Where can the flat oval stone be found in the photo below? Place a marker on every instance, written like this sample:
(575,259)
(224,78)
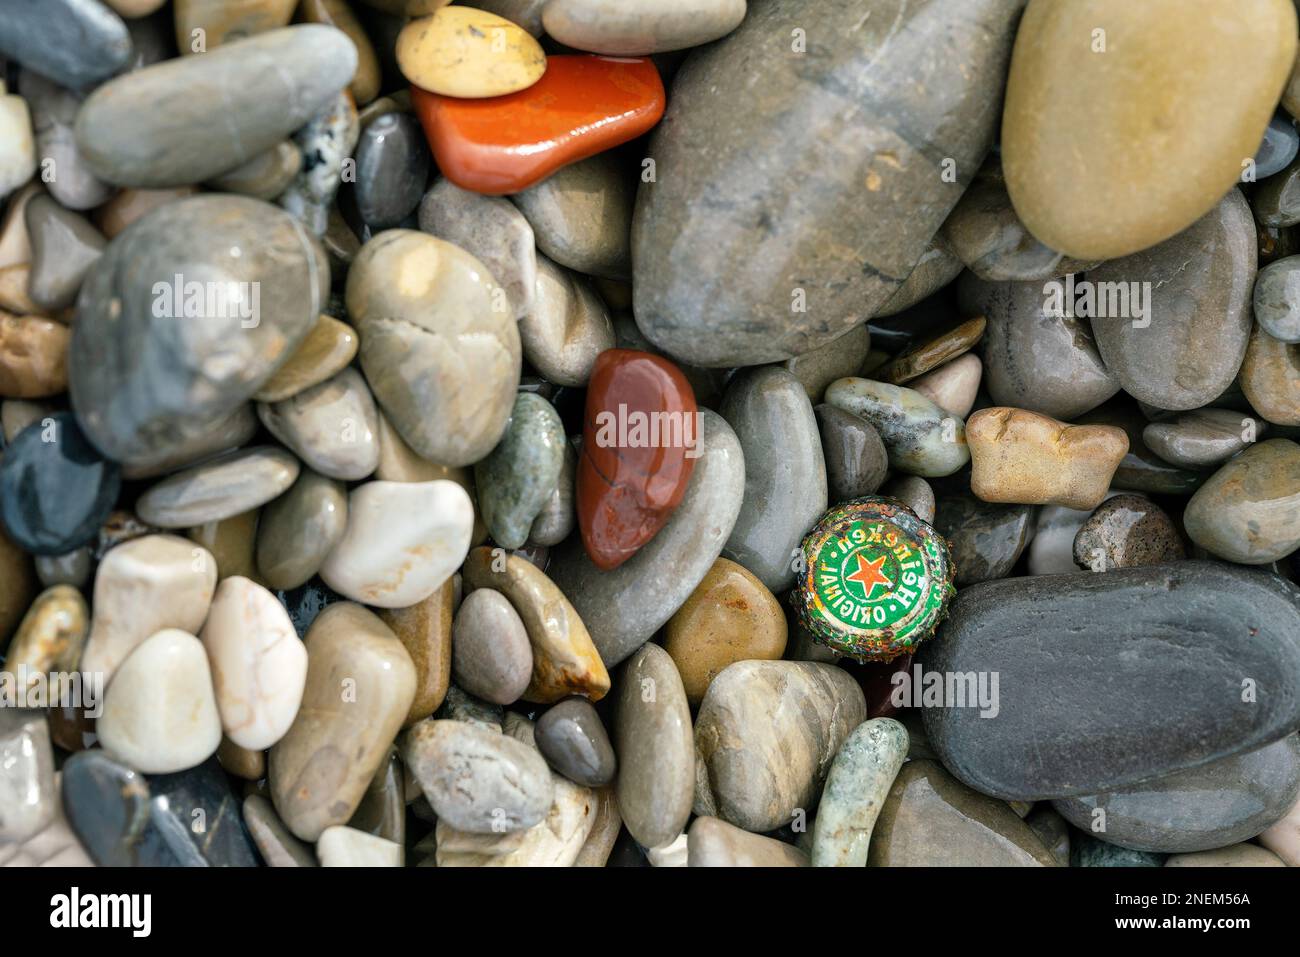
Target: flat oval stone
(52,633)
(840,223)
(54,111)
(731,616)
(620,29)
(154,127)
(573,740)
(519,475)
(1126,531)
(333,427)
(144,586)
(466,52)
(219,488)
(767,732)
(989,238)
(986,540)
(856,460)
(1249,510)
(785,472)
(641,438)
(1204,437)
(1073,188)
(930,819)
(1033,358)
(656,754)
(327,351)
(160,715)
(1141,470)
(1199,809)
(491,656)
(143,382)
(56,490)
(1277,299)
(564,658)
(259,667)
(582,216)
(933,352)
(857,785)
(424,629)
(1106,668)
(392,169)
(581,106)
(33,357)
(478,780)
(1270,378)
(402,541)
(1031,459)
(920,437)
(493,231)
(440,352)
(320,769)
(568,327)
(649,587)
(76,43)
(299,529)
(1182,349)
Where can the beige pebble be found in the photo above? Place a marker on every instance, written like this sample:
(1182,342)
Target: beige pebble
(463,52)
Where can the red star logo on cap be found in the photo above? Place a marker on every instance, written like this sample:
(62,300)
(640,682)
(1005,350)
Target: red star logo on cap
(869,575)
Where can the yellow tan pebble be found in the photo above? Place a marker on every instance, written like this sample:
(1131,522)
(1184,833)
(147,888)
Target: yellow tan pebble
(464,52)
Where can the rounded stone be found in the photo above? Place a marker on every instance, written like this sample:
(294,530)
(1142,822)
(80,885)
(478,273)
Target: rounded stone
(620,29)
(1277,299)
(856,460)
(517,477)
(567,328)
(299,529)
(1249,510)
(160,715)
(921,438)
(1126,531)
(573,740)
(582,216)
(333,427)
(1204,437)
(266,175)
(392,168)
(56,490)
(857,785)
(327,350)
(731,616)
(424,629)
(402,541)
(147,373)
(441,356)
(220,488)
(985,539)
(52,633)
(464,52)
(491,655)
(1084,174)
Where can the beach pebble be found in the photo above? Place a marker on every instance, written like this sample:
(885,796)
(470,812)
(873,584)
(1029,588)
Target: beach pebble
(491,655)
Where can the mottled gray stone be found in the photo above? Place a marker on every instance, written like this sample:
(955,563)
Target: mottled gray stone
(517,478)
(76,43)
(1196,289)
(1088,851)
(1107,680)
(490,229)
(478,780)
(1126,531)
(1211,806)
(189,119)
(573,740)
(731,239)
(558,516)
(1277,299)
(856,460)
(144,385)
(1033,360)
(921,438)
(649,587)
(54,112)
(656,754)
(856,787)
(767,732)
(785,472)
(327,141)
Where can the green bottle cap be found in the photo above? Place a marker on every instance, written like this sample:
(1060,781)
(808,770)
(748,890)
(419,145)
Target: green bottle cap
(877,580)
